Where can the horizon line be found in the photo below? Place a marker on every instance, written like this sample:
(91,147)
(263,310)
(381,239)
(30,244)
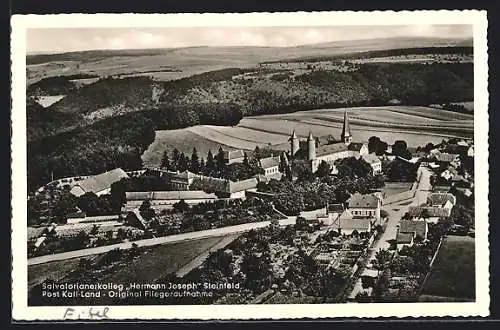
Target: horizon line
(48,52)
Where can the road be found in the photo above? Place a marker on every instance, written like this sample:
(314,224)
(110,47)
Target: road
(158,240)
(396,211)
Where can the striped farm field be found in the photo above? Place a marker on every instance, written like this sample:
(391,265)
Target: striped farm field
(416,125)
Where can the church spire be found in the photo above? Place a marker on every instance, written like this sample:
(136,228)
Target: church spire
(346,136)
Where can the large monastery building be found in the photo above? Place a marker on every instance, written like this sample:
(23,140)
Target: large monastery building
(325,148)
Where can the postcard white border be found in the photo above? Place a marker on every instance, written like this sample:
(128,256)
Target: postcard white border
(478,19)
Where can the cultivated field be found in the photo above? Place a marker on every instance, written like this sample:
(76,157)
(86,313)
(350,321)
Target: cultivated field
(170,64)
(162,260)
(55,270)
(416,125)
(453,272)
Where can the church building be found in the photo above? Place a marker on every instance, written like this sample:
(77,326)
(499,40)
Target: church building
(327,149)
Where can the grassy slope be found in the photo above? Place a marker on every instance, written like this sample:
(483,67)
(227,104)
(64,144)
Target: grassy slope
(453,272)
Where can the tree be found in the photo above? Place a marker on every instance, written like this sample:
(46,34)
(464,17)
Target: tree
(400,148)
(220,161)
(146,211)
(181,206)
(245,160)
(195,162)
(95,230)
(382,258)
(165,161)
(324,169)
(183,163)
(210,164)
(175,159)
(256,153)
(373,144)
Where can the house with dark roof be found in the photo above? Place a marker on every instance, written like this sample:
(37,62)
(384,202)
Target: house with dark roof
(413,228)
(234,156)
(365,205)
(98,184)
(404,239)
(443,200)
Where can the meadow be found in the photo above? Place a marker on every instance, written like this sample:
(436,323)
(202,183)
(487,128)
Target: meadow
(453,272)
(416,125)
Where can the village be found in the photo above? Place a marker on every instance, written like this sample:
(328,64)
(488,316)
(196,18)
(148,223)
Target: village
(354,208)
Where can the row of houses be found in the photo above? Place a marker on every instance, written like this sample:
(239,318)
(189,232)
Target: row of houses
(438,205)
(360,214)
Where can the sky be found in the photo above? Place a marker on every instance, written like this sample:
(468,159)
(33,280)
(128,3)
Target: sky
(75,39)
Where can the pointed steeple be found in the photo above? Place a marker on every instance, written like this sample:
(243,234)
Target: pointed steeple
(294,135)
(310,137)
(346,136)
(294,143)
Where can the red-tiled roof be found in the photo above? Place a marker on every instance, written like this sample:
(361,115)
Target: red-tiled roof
(269,162)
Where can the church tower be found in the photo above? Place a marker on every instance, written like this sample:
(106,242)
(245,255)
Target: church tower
(294,143)
(311,147)
(346,136)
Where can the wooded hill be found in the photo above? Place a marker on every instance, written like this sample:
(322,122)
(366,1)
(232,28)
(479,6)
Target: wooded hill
(63,138)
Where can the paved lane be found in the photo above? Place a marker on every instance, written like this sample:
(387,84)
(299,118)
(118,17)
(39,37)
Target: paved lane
(157,241)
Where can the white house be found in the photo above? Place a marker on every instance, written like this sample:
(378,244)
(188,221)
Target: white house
(270,165)
(365,205)
(236,156)
(347,223)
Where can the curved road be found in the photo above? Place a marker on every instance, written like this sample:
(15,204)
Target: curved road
(396,211)
(157,241)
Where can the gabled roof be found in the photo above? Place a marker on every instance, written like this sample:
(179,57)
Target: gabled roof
(416,211)
(234,154)
(371,159)
(363,201)
(183,176)
(355,146)
(330,149)
(335,208)
(418,227)
(440,199)
(101,181)
(356,223)
(242,185)
(404,238)
(269,162)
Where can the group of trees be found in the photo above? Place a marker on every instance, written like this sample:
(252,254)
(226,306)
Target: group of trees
(214,165)
(355,175)
(220,213)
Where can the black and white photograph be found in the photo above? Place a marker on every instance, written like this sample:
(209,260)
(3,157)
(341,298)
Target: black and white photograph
(329,163)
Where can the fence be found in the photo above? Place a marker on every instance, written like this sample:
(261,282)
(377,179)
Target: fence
(430,267)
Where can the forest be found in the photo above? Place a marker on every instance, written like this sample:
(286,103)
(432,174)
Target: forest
(64,142)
